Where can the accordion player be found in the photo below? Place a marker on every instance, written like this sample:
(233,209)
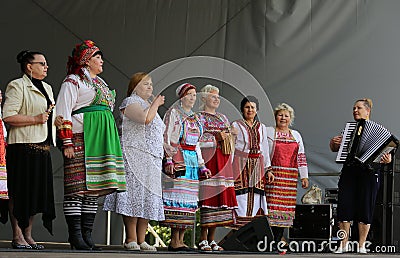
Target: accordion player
(364,142)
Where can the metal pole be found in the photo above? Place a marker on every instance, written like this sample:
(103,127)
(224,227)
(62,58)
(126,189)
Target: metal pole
(108,236)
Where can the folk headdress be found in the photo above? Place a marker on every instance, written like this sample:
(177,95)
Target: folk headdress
(183,89)
(80,55)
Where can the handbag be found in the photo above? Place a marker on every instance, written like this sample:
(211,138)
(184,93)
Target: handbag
(312,196)
(228,144)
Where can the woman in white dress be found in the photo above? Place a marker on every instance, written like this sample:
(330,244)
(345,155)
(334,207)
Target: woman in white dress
(142,145)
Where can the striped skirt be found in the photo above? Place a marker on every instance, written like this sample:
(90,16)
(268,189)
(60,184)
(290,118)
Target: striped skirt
(79,179)
(281,197)
(180,195)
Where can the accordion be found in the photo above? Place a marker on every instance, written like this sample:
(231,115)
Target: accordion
(364,142)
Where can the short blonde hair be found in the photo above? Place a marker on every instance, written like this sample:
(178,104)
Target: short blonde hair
(285,107)
(206,89)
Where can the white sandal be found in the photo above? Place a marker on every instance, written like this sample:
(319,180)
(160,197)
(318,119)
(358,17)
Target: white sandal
(147,248)
(203,245)
(215,246)
(132,246)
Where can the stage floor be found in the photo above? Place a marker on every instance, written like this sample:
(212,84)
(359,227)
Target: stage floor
(61,250)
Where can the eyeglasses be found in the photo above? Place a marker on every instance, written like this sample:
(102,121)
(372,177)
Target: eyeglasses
(41,63)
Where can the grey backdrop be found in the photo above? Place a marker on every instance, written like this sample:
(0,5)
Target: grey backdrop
(317,55)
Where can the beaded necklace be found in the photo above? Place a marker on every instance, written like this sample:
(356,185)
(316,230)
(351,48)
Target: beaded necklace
(104,96)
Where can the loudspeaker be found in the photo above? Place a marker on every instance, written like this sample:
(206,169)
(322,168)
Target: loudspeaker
(396,189)
(249,236)
(312,222)
(395,234)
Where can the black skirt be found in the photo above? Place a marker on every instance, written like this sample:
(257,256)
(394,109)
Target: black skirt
(30,182)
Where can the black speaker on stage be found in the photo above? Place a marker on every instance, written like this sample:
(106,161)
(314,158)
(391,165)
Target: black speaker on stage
(395,234)
(387,208)
(312,222)
(248,237)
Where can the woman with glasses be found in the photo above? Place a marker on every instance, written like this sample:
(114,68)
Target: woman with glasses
(93,163)
(28,111)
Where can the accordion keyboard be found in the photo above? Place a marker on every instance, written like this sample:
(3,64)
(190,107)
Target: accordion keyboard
(346,142)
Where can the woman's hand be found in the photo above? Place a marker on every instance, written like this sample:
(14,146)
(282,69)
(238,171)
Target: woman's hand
(158,100)
(59,121)
(270,177)
(335,142)
(69,152)
(205,173)
(41,118)
(386,158)
(169,150)
(169,169)
(304,183)
(234,131)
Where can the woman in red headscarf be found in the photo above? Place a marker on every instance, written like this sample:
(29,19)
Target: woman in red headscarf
(93,163)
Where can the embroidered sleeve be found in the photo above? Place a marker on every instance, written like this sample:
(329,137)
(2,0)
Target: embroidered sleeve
(64,133)
(71,80)
(301,158)
(67,97)
(264,147)
(66,100)
(171,133)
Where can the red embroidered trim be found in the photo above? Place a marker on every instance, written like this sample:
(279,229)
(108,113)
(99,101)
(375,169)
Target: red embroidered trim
(74,82)
(301,160)
(64,132)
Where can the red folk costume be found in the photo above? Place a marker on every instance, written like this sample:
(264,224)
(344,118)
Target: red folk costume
(217,194)
(3,175)
(288,160)
(250,165)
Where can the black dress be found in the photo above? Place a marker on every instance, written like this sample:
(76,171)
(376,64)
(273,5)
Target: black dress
(30,176)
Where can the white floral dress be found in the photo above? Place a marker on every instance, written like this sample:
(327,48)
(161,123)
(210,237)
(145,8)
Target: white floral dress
(142,147)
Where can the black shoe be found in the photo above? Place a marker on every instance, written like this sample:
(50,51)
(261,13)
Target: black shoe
(75,234)
(15,245)
(87,221)
(178,249)
(37,246)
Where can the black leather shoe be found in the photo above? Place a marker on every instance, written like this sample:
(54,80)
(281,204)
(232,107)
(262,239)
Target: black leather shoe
(15,245)
(178,249)
(37,246)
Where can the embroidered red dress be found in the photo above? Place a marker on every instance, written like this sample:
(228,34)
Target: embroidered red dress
(3,176)
(217,197)
(288,160)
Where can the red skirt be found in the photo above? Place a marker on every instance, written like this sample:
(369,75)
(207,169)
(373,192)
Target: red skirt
(218,191)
